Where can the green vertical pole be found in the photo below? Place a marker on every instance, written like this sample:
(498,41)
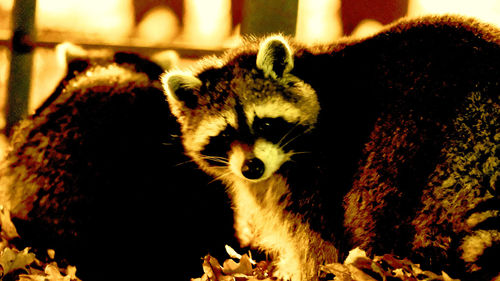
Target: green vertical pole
(22,45)
(261,17)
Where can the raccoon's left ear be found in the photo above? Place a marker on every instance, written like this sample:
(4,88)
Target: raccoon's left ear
(275,57)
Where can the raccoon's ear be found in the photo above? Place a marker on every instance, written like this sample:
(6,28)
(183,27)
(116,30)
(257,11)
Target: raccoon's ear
(182,90)
(275,57)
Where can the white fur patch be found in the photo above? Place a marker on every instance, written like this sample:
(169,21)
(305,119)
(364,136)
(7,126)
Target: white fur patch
(268,152)
(237,157)
(274,109)
(261,221)
(272,156)
(210,127)
(304,111)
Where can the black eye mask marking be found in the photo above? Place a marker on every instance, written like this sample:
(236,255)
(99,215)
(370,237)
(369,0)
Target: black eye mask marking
(276,130)
(216,151)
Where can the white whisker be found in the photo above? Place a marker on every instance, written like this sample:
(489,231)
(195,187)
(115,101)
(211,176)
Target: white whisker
(286,135)
(300,152)
(290,140)
(217,159)
(221,176)
(184,163)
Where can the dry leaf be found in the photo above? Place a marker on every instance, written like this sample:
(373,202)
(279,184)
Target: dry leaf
(213,270)
(232,253)
(243,270)
(230,267)
(357,267)
(358,275)
(340,271)
(354,255)
(32,277)
(12,259)
(51,273)
(446,277)
(51,253)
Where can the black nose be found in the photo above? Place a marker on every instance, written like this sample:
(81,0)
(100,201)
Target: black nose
(253,168)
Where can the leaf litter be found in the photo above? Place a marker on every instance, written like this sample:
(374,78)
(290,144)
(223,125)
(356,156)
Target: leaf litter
(23,265)
(356,267)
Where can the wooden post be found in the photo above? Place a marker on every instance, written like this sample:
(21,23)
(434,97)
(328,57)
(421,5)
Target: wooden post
(261,17)
(22,45)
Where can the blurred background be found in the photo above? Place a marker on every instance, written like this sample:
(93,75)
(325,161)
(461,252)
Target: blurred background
(193,28)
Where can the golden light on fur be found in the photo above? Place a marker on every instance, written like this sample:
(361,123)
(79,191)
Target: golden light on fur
(260,221)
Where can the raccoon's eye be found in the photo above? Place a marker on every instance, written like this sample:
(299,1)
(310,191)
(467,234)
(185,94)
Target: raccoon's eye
(227,133)
(218,147)
(263,126)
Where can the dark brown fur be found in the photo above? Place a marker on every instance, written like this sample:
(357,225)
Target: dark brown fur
(98,174)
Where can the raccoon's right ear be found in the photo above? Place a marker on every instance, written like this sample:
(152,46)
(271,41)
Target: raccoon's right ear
(182,90)
(275,57)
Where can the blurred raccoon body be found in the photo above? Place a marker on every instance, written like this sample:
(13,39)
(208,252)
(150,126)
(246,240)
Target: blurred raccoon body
(387,143)
(97,172)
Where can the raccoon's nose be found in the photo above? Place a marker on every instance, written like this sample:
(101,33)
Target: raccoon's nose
(253,168)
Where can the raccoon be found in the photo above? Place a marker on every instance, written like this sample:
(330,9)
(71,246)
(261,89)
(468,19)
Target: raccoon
(97,171)
(387,143)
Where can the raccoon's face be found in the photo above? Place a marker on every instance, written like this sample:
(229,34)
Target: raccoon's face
(242,118)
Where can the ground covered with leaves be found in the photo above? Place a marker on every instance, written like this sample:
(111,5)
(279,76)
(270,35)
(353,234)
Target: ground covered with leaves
(356,267)
(23,265)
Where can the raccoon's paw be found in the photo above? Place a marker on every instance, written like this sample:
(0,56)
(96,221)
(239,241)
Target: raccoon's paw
(285,272)
(283,275)
(289,268)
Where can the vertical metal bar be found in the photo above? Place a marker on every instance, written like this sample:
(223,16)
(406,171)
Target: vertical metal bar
(22,46)
(262,17)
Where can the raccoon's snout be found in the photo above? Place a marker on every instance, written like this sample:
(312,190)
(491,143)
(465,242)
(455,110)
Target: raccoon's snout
(253,168)
(256,162)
